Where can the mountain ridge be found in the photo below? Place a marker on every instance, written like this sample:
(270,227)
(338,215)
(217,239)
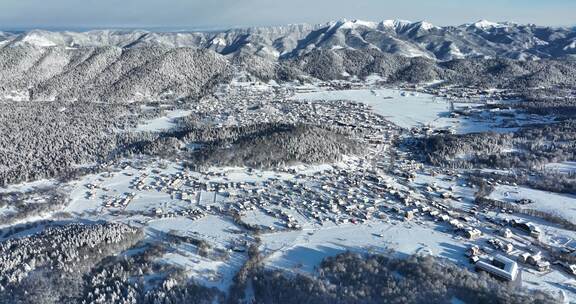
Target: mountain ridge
(132,66)
(411,39)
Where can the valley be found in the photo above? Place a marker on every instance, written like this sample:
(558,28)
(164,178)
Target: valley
(137,166)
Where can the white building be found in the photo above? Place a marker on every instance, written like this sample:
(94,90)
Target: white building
(500,267)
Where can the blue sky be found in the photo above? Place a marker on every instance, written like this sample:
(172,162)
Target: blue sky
(207,14)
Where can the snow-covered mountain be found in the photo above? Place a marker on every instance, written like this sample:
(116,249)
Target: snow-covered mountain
(106,73)
(410,39)
(140,65)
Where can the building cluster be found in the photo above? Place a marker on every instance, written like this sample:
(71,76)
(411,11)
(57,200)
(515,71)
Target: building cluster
(369,188)
(343,196)
(245,105)
(468,94)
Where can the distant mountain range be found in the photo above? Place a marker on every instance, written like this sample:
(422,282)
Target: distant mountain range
(410,39)
(120,66)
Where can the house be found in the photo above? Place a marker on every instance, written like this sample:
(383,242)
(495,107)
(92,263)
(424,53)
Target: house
(542,266)
(473,251)
(523,258)
(409,215)
(528,227)
(507,233)
(534,259)
(499,267)
(472,233)
(444,218)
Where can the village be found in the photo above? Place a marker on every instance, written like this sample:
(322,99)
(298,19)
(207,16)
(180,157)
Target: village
(354,203)
(354,193)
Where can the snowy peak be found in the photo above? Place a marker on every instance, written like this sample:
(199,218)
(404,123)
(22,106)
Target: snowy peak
(424,25)
(353,24)
(485,24)
(395,23)
(345,24)
(407,27)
